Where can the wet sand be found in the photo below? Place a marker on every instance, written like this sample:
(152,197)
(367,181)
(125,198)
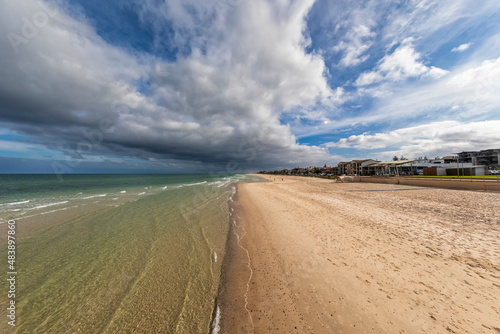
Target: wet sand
(326,257)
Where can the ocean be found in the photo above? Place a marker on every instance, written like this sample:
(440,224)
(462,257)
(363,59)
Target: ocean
(117,253)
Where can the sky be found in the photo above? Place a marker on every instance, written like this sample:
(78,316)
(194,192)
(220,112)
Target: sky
(231,86)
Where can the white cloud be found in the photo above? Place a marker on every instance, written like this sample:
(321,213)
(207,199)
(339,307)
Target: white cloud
(368,78)
(6,145)
(467,93)
(356,44)
(436,138)
(403,63)
(423,19)
(461,48)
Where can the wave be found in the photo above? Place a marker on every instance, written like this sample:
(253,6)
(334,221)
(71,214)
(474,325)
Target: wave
(15,203)
(46,205)
(94,196)
(192,184)
(219,183)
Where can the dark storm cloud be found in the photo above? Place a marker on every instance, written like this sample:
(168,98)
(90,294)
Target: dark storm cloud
(217,107)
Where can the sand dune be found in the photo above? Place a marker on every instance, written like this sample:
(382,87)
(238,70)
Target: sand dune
(363,258)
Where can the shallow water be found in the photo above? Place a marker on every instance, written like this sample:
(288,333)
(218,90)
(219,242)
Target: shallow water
(150,263)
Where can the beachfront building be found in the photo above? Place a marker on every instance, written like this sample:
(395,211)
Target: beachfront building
(343,167)
(490,157)
(355,166)
(450,159)
(457,170)
(368,167)
(396,167)
(430,168)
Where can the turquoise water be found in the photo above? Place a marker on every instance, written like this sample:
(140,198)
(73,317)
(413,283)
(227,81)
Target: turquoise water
(142,253)
(25,195)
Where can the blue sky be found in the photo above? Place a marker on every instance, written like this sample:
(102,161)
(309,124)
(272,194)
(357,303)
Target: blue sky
(234,86)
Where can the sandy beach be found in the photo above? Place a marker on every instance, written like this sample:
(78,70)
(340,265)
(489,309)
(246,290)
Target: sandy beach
(314,256)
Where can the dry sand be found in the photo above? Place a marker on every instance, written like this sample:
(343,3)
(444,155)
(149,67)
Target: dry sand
(326,257)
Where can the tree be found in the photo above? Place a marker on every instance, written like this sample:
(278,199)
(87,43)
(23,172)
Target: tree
(395,158)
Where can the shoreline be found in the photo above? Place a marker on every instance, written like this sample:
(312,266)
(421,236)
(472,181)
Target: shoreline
(408,261)
(235,275)
(215,323)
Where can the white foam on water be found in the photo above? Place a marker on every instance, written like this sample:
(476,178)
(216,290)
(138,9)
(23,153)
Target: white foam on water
(123,192)
(15,203)
(192,184)
(94,196)
(142,193)
(46,205)
(164,188)
(216,324)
